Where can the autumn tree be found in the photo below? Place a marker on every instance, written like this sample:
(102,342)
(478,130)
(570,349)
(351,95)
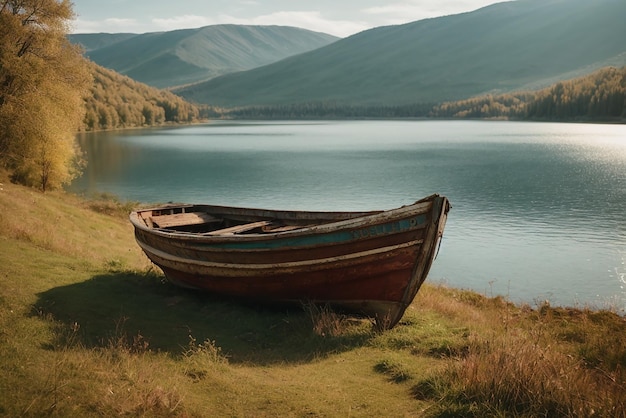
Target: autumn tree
(43,82)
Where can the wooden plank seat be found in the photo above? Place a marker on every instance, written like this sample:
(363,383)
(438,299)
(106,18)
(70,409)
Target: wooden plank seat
(283,228)
(183,219)
(239,228)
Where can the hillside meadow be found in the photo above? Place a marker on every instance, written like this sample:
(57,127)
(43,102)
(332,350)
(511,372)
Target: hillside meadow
(89,328)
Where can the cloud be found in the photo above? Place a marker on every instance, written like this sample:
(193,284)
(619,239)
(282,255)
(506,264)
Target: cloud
(311,20)
(412,10)
(308,20)
(110,25)
(182,22)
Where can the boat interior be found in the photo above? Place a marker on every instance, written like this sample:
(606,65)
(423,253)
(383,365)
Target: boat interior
(182,220)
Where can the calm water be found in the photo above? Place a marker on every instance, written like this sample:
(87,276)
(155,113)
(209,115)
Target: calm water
(539,210)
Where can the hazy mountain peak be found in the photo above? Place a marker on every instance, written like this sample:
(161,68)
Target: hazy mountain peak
(166,59)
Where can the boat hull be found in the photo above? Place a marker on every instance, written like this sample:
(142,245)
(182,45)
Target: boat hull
(370,263)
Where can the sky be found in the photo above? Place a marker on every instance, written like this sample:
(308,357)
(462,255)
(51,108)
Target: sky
(336,17)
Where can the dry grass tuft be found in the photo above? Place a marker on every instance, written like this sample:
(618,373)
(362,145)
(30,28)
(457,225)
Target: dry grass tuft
(326,322)
(200,360)
(535,369)
(111,205)
(121,341)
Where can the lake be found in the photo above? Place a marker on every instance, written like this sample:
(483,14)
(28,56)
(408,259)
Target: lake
(538,209)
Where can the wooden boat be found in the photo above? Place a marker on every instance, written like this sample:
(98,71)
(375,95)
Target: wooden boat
(365,263)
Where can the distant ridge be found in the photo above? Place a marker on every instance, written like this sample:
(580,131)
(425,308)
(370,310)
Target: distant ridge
(180,57)
(94,41)
(495,49)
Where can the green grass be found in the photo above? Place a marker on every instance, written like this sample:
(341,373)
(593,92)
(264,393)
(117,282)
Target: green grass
(89,328)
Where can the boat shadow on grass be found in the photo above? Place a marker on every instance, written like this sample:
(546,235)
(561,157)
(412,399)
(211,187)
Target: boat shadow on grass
(141,311)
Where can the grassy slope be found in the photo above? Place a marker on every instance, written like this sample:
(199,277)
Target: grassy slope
(88,329)
(498,48)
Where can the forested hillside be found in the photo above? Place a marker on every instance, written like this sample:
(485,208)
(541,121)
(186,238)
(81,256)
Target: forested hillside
(119,102)
(600,96)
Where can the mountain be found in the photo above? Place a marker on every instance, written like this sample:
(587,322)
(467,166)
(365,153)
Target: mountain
(499,48)
(166,59)
(94,41)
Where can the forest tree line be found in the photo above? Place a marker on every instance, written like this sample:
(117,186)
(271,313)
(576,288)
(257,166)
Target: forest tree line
(600,96)
(326,110)
(118,102)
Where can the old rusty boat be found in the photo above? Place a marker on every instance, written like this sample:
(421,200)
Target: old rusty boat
(365,263)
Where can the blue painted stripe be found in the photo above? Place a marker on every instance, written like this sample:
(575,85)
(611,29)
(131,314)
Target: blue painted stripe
(338,237)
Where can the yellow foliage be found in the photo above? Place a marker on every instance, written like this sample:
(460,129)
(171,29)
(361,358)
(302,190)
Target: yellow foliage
(118,102)
(601,95)
(43,80)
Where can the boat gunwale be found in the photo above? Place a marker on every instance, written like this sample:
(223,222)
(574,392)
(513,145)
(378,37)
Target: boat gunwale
(422,206)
